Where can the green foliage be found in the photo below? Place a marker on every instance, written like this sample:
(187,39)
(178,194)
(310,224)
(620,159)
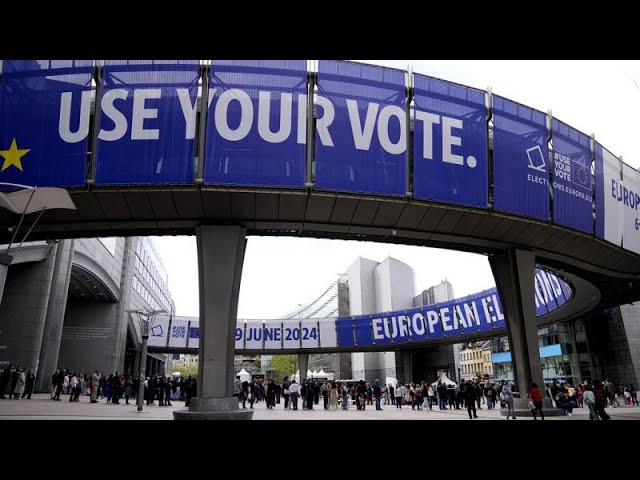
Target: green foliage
(186,370)
(283,366)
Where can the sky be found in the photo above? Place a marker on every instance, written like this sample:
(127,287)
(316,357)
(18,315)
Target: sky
(281,273)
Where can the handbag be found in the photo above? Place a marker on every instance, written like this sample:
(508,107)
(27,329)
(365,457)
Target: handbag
(530,404)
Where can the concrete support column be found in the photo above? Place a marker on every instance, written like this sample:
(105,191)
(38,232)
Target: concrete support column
(23,312)
(122,317)
(405,370)
(303,365)
(220,258)
(514,272)
(5,261)
(136,364)
(56,308)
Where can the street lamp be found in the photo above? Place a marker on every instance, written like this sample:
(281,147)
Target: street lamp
(24,202)
(145,320)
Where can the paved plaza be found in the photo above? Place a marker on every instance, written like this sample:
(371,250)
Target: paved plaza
(41,407)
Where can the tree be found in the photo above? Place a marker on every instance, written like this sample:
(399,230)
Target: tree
(283,366)
(186,370)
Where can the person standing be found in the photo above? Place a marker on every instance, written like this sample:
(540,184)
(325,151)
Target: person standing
(600,399)
(470,397)
(285,391)
(95,382)
(589,400)
(237,389)
(29,383)
(22,380)
(5,378)
(507,398)
(536,399)
(377,393)
(294,390)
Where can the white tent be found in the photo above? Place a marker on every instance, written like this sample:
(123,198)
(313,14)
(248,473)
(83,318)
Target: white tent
(321,374)
(444,379)
(244,375)
(295,376)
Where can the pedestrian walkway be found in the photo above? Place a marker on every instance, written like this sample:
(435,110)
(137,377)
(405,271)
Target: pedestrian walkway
(41,407)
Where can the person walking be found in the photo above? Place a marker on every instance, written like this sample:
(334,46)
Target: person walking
(536,401)
(507,398)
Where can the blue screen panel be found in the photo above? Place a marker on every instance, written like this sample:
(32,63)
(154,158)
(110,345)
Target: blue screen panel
(451,143)
(360,129)
(520,159)
(256,123)
(572,183)
(44,122)
(147,122)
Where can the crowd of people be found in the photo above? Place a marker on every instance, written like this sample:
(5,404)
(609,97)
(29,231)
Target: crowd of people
(18,383)
(469,395)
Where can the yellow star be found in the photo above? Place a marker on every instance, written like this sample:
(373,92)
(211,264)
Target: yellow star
(12,156)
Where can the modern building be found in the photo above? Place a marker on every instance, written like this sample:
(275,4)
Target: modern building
(67,304)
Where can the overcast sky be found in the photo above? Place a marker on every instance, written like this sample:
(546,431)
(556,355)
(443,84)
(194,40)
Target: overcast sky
(601,97)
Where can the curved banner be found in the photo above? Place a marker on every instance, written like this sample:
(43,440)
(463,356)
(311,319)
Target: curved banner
(629,194)
(194,335)
(572,183)
(147,122)
(610,197)
(480,312)
(159,331)
(361,128)
(257,123)
(520,159)
(178,334)
(451,143)
(44,122)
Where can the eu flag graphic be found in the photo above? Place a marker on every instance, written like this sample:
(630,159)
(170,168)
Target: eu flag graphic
(582,175)
(44,121)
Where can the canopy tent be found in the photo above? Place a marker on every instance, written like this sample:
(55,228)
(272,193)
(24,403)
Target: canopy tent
(244,375)
(444,379)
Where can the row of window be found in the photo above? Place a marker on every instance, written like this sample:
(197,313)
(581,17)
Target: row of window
(474,355)
(152,276)
(146,295)
(148,258)
(473,368)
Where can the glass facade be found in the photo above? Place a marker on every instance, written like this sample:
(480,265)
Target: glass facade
(564,354)
(151,277)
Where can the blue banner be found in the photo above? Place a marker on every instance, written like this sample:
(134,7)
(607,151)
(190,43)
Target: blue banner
(451,143)
(572,184)
(362,327)
(147,122)
(610,197)
(257,123)
(344,326)
(480,312)
(520,159)
(360,129)
(44,122)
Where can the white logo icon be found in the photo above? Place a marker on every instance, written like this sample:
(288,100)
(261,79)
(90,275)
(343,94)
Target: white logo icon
(536,159)
(156,331)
